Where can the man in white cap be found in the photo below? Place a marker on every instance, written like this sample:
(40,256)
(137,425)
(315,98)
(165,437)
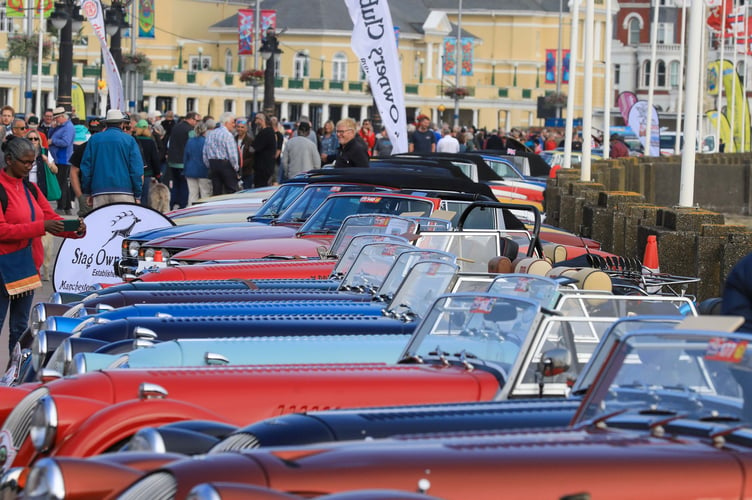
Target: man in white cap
(60,141)
(112,168)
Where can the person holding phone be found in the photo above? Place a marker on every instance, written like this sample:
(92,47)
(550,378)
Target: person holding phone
(25,217)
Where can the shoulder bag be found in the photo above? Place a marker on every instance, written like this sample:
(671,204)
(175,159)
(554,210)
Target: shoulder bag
(53,186)
(17,268)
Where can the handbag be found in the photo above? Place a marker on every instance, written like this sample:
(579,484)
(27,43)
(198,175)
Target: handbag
(53,186)
(19,272)
(17,268)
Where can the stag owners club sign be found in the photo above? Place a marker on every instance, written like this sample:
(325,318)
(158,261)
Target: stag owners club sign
(92,259)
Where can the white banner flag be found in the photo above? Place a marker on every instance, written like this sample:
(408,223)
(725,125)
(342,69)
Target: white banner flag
(375,44)
(93,11)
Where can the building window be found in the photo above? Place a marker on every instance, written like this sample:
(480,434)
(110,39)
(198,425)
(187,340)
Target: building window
(301,66)
(163,103)
(661,74)
(339,67)
(6,23)
(634,31)
(646,73)
(665,33)
(243,62)
(617,74)
(190,104)
(673,72)
(193,63)
(229,104)
(228,61)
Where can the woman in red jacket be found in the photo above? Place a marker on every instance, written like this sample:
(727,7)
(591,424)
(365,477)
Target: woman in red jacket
(23,221)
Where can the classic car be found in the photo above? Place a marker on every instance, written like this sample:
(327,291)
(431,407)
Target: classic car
(370,423)
(318,231)
(668,410)
(470,345)
(338,180)
(428,278)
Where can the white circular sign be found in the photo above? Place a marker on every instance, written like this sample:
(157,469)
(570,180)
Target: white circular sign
(89,260)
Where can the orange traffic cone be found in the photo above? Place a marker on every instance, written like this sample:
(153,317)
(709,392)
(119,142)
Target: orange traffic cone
(650,264)
(650,261)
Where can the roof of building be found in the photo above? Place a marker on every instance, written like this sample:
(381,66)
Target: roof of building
(409,15)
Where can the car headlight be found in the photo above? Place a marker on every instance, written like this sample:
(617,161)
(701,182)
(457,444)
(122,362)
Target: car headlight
(148,440)
(203,492)
(147,254)
(10,483)
(131,248)
(37,316)
(39,350)
(43,424)
(45,481)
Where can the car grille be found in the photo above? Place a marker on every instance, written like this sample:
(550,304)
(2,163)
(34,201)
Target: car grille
(157,486)
(18,422)
(234,442)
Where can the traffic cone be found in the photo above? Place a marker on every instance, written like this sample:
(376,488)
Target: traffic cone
(650,264)
(650,261)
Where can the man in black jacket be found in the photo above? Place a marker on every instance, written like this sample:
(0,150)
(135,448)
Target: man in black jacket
(353,149)
(175,149)
(264,151)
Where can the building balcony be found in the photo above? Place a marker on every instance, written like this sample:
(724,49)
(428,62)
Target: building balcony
(336,85)
(527,93)
(190,77)
(295,83)
(45,69)
(94,71)
(4,65)
(316,84)
(164,75)
(355,86)
(229,78)
(279,82)
(411,89)
(503,93)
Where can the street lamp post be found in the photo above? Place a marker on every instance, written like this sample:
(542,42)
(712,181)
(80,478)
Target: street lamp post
(180,54)
(270,52)
(66,18)
(114,22)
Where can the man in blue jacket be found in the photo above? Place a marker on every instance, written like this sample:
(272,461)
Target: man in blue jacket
(60,140)
(737,293)
(112,168)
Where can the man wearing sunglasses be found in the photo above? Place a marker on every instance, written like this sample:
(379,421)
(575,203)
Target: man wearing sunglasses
(19,127)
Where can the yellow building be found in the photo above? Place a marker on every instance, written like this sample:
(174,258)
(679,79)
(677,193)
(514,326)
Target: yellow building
(195,62)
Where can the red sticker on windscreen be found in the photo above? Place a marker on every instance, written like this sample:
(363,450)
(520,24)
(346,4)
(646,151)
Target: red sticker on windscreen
(730,351)
(381,221)
(370,199)
(482,305)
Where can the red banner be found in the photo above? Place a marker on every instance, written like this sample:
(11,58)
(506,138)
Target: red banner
(246,25)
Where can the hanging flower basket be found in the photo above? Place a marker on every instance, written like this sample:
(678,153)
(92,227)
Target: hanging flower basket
(252,77)
(554,99)
(456,92)
(137,62)
(27,46)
